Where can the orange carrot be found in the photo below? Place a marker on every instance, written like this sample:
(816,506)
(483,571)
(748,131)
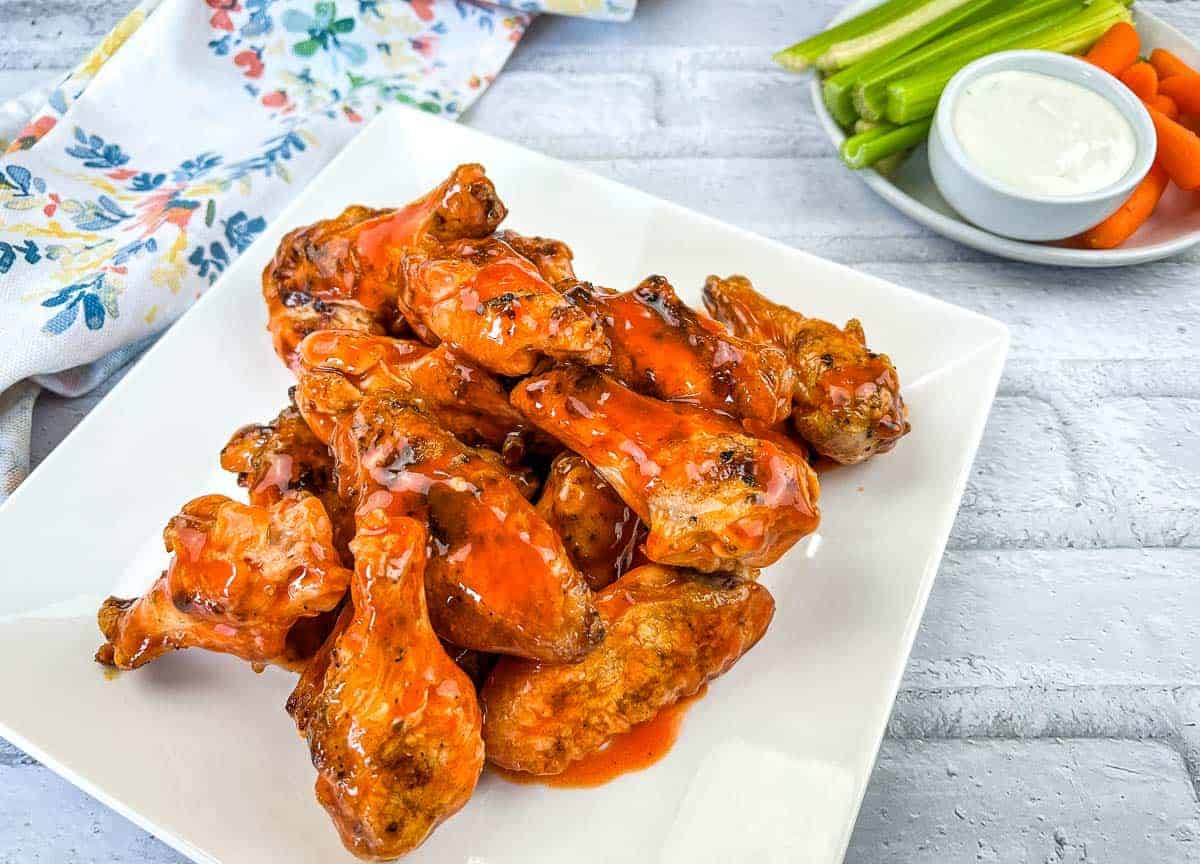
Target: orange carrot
(1117,49)
(1178,151)
(1190,121)
(1141,79)
(1165,104)
(1168,64)
(1185,90)
(1119,227)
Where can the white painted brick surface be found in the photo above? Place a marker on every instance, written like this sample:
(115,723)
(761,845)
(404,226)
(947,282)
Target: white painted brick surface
(1058,802)
(1051,708)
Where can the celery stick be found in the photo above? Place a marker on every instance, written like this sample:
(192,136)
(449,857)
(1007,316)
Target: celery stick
(863,151)
(870,90)
(861,125)
(803,54)
(889,165)
(837,90)
(850,51)
(916,96)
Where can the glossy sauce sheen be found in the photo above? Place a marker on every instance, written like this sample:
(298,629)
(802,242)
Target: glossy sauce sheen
(1043,135)
(635,750)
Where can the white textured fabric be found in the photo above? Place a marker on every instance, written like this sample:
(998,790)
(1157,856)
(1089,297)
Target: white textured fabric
(128,188)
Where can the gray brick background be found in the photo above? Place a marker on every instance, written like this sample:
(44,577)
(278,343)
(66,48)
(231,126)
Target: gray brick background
(1051,709)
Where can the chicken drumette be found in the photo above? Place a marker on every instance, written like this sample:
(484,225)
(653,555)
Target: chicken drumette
(669,631)
(392,723)
(283,455)
(499,579)
(493,305)
(599,530)
(846,402)
(713,497)
(241,578)
(343,272)
(663,348)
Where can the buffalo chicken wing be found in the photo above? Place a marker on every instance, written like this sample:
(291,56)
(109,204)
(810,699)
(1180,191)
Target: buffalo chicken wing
(493,305)
(669,631)
(663,348)
(392,723)
(283,455)
(342,273)
(499,579)
(846,402)
(713,497)
(599,530)
(241,577)
(337,367)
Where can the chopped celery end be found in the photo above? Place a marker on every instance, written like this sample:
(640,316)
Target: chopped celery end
(803,54)
(869,148)
(850,51)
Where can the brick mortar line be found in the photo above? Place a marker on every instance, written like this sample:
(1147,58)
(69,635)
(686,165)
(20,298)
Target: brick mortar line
(1169,714)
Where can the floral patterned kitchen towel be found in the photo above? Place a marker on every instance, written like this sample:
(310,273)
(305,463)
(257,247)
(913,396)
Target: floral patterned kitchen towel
(166,152)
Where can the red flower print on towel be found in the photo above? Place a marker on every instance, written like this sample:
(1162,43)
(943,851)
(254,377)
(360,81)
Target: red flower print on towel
(424,45)
(249,59)
(423,8)
(220,19)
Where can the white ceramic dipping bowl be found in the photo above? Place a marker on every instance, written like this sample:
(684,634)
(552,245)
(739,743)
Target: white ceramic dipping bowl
(1011,212)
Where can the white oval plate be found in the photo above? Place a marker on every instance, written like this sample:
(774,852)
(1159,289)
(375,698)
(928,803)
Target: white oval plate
(1174,227)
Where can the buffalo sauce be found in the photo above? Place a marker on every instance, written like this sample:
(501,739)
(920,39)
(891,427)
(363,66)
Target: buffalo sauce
(635,750)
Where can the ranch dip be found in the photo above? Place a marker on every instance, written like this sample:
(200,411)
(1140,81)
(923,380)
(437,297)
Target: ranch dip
(1043,135)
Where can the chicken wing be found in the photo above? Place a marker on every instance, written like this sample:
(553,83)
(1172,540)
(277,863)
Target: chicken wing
(336,367)
(714,497)
(241,577)
(551,257)
(669,631)
(343,272)
(663,348)
(492,304)
(599,530)
(392,723)
(273,458)
(498,578)
(846,403)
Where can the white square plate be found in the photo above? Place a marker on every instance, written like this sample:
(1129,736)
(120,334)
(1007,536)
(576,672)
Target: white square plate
(772,764)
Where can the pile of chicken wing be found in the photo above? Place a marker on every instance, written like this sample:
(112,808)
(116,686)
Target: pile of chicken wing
(507,514)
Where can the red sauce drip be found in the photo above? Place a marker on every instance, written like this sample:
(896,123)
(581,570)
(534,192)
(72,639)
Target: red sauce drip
(635,750)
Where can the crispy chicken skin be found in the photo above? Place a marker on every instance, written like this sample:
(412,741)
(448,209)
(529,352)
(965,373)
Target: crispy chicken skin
(599,530)
(392,723)
(669,631)
(663,348)
(336,367)
(491,304)
(551,257)
(240,577)
(273,458)
(342,272)
(499,579)
(847,403)
(714,497)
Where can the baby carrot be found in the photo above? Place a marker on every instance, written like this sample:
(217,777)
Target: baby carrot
(1185,90)
(1164,103)
(1190,121)
(1141,79)
(1178,151)
(1119,227)
(1116,50)
(1168,64)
